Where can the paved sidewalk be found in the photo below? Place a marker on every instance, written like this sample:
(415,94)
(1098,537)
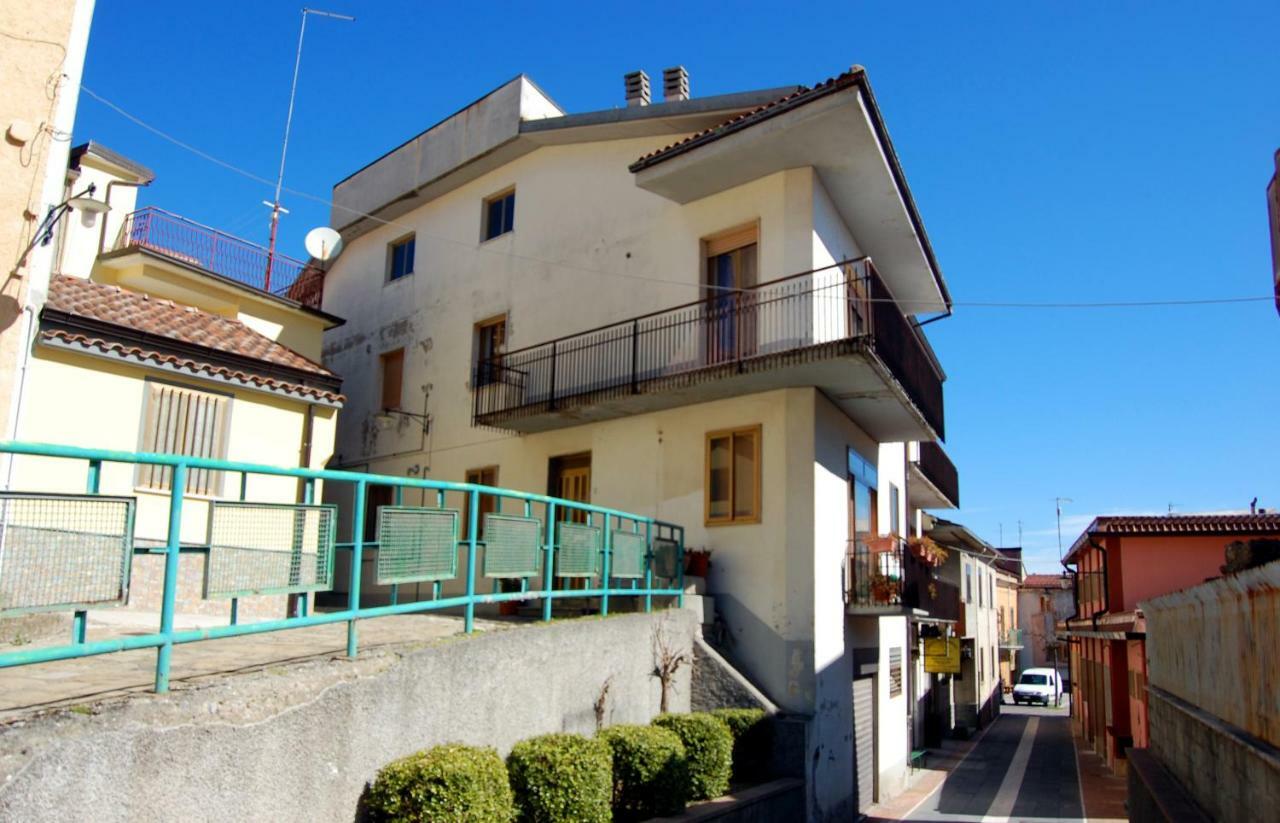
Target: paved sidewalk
(1023,767)
(25,690)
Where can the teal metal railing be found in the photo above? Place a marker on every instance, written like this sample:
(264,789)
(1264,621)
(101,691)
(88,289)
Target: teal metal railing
(650,553)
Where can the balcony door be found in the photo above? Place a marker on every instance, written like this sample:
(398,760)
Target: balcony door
(731,269)
(569,478)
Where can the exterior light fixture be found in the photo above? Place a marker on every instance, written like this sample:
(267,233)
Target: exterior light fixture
(44,232)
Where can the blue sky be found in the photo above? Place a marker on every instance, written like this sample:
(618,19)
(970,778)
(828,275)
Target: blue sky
(1058,152)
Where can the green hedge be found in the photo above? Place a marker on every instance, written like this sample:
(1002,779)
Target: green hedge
(562,778)
(650,776)
(452,782)
(752,741)
(708,748)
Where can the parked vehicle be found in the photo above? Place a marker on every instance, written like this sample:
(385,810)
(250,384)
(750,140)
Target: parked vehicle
(1038,686)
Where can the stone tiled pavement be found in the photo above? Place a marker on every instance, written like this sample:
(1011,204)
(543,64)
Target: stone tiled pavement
(1024,767)
(69,683)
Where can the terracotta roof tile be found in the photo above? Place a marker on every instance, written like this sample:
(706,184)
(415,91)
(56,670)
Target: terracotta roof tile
(1227,525)
(185,324)
(1046,581)
(138,313)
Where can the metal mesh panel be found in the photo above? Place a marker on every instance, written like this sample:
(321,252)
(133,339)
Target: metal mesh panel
(63,551)
(628,554)
(269,548)
(666,558)
(416,544)
(579,553)
(512,546)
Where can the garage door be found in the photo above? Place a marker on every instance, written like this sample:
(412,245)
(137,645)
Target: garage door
(864,740)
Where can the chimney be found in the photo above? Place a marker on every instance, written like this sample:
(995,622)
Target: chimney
(675,84)
(637,88)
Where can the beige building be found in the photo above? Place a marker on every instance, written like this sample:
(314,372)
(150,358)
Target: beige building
(157,326)
(699,309)
(40,62)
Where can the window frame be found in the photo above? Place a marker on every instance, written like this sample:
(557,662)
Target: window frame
(478,332)
(488,502)
(404,240)
(733,519)
(508,217)
(383,359)
(213,485)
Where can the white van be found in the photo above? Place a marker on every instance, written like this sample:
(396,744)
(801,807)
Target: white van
(1038,686)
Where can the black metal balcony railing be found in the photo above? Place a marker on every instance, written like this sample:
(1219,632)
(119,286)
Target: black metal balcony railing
(874,572)
(840,309)
(941,472)
(223,254)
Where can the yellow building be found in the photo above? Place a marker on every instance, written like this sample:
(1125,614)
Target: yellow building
(171,341)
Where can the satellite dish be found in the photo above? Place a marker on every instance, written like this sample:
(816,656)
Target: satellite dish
(323,243)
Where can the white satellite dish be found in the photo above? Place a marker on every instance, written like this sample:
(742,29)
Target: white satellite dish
(323,243)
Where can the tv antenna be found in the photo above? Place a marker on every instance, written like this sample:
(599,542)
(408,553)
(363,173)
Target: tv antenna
(1058,501)
(276,209)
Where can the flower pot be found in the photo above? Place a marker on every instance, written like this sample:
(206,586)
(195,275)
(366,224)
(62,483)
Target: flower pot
(697,564)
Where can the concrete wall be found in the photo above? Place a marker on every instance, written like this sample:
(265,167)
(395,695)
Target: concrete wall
(1039,625)
(82,232)
(301,745)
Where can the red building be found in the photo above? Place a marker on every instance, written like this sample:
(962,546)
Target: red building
(1119,562)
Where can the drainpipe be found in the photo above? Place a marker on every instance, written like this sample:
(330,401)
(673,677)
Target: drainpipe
(308,424)
(1106,589)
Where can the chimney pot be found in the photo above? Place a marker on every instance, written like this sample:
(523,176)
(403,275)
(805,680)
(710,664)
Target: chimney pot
(675,84)
(637,83)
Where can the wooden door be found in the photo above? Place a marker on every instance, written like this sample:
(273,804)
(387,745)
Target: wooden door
(731,262)
(570,479)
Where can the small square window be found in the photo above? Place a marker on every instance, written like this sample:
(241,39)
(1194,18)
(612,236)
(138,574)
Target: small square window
(400,257)
(499,214)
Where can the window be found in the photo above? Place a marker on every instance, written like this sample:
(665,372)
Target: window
(895,671)
(491,339)
(894,525)
(392,378)
(968,583)
(981,599)
(862,482)
(187,422)
(400,257)
(499,215)
(733,476)
(487,476)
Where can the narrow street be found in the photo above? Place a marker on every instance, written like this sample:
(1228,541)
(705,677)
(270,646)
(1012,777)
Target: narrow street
(1024,768)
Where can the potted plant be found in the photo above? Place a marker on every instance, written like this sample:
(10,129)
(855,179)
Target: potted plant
(882,543)
(884,588)
(929,552)
(697,562)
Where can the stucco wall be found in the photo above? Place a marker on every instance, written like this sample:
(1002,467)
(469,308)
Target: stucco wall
(1215,645)
(300,745)
(48,43)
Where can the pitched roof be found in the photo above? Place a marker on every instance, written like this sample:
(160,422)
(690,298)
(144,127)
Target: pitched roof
(114,321)
(1046,581)
(750,118)
(1188,525)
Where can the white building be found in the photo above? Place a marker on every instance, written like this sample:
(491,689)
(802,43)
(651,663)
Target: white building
(699,309)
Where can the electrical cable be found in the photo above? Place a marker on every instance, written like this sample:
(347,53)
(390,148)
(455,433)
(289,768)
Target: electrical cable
(1094,304)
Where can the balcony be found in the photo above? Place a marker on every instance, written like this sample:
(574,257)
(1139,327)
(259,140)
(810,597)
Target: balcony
(1011,639)
(874,575)
(837,329)
(940,488)
(223,255)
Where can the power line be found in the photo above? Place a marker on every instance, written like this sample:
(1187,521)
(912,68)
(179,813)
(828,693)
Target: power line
(980,304)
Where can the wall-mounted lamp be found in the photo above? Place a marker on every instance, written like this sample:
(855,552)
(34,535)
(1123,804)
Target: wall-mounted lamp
(83,201)
(387,415)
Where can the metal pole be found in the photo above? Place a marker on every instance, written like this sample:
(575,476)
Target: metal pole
(473,517)
(174,545)
(604,575)
(80,621)
(548,570)
(357,559)
(288,124)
